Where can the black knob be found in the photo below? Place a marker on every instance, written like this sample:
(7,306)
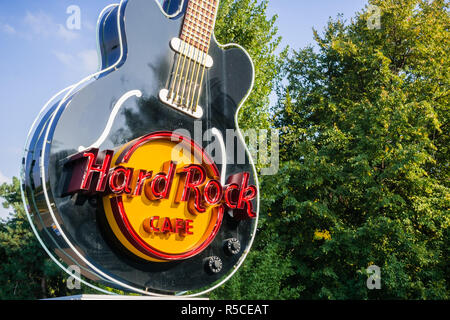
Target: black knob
(214,265)
(232,246)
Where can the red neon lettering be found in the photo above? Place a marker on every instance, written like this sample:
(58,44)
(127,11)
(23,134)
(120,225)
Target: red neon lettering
(213,192)
(228,195)
(188,226)
(241,203)
(149,225)
(163,178)
(152,225)
(92,168)
(167,226)
(195,176)
(120,180)
(247,194)
(143,176)
(179,225)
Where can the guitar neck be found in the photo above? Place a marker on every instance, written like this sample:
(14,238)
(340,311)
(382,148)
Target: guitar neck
(199,22)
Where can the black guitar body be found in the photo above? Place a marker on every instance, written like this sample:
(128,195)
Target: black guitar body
(136,56)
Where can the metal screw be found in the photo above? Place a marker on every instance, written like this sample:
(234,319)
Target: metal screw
(232,246)
(214,265)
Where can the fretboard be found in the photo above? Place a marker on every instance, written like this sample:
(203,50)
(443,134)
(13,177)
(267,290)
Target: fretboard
(198,24)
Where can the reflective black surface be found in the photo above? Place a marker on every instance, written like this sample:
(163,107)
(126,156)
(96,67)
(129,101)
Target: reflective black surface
(80,119)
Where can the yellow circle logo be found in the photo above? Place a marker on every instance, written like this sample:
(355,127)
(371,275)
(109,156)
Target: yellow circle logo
(156,209)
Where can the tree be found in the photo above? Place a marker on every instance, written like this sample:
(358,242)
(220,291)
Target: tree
(364,141)
(26,272)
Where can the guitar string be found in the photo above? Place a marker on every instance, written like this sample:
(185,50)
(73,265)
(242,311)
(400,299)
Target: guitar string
(201,80)
(180,78)
(173,83)
(193,63)
(196,67)
(196,86)
(182,47)
(184,62)
(204,59)
(173,76)
(203,72)
(188,71)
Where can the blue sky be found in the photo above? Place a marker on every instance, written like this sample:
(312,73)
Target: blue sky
(39,55)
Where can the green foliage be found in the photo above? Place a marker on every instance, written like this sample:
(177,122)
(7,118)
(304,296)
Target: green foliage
(364,122)
(25,270)
(264,275)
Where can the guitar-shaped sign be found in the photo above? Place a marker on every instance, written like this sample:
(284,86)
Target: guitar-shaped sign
(139,175)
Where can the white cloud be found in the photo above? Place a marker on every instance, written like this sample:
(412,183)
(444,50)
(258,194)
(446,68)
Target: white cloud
(89,60)
(4,178)
(67,59)
(65,34)
(88,25)
(4,213)
(42,24)
(85,61)
(8,29)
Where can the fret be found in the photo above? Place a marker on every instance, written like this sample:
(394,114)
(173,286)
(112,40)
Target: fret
(190,21)
(200,28)
(208,4)
(197,34)
(201,10)
(206,10)
(196,42)
(200,16)
(211,11)
(199,23)
(198,20)
(189,34)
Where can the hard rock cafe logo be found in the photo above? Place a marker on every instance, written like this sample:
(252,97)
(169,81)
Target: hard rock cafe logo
(162,194)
